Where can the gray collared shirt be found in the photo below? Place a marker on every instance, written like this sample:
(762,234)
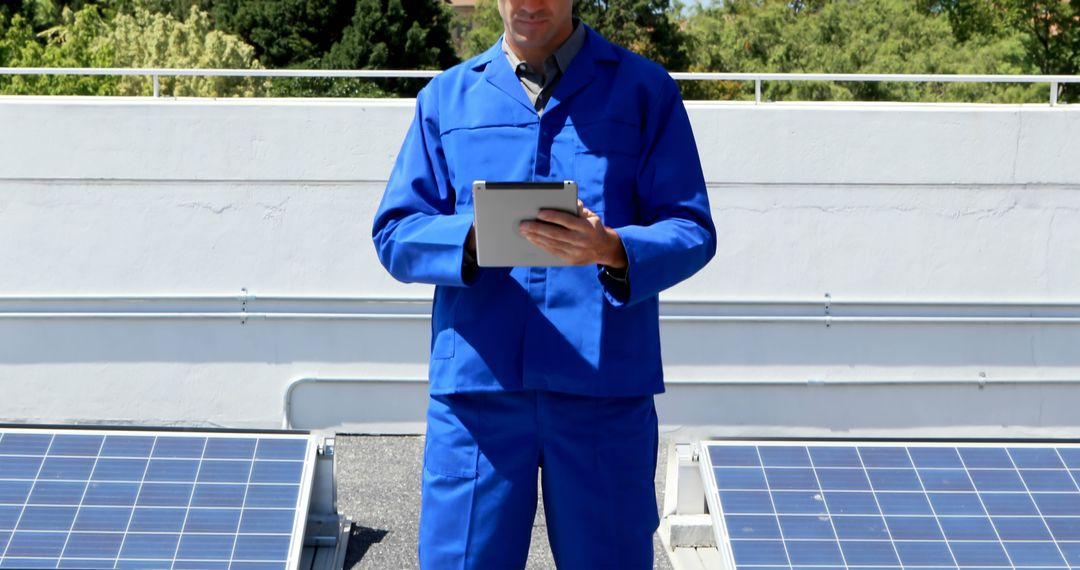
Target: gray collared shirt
(539,85)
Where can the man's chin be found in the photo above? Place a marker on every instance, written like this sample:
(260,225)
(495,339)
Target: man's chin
(529,40)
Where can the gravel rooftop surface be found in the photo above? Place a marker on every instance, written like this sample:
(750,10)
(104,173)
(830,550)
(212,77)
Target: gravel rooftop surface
(378,487)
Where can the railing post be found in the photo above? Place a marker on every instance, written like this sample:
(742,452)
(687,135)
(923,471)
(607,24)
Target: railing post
(157,86)
(1053,93)
(757,91)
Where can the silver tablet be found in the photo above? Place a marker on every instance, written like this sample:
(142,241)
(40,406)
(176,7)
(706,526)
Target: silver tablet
(500,207)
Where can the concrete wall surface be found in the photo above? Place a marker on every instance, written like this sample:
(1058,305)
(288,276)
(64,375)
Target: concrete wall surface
(883,269)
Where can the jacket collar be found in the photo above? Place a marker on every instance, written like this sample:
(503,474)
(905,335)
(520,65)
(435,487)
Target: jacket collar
(582,69)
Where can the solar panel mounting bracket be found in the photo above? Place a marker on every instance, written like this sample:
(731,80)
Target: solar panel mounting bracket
(326,533)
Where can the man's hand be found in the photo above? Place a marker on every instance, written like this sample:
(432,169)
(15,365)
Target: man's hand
(580,240)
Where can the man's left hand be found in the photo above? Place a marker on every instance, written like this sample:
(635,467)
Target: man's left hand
(579,240)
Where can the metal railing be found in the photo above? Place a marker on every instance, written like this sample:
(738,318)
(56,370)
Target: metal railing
(1055,81)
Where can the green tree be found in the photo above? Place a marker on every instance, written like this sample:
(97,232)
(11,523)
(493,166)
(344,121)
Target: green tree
(75,42)
(1051,32)
(644,26)
(139,39)
(154,39)
(44,14)
(285,33)
(968,18)
(481,28)
(392,34)
(342,34)
(395,34)
(178,9)
(883,36)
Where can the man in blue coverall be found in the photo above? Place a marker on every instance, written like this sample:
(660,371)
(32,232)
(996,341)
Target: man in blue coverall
(547,371)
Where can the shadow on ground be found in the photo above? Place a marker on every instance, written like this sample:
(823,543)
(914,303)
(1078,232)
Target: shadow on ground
(360,540)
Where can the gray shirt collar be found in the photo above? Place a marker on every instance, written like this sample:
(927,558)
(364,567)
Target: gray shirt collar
(555,64)
(563,55)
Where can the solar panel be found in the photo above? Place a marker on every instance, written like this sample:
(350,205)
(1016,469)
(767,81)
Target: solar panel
(139,499)
(888,505)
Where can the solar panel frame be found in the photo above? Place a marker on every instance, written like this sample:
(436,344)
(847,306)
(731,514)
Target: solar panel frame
(1016,548)
(68,476)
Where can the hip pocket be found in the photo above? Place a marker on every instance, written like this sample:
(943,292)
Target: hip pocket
(450,449)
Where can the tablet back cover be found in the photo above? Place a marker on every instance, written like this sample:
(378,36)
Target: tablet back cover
(500,207)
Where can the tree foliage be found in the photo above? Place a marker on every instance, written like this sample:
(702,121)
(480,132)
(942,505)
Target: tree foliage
(480,29)
(41,14)
(827,36)
(1049,29)
(342,34)
(285,33)
(137,39)
(77,42)
(1051,34)
(300,34)
(397,34)
(647,27)
(884,36)
(149,39)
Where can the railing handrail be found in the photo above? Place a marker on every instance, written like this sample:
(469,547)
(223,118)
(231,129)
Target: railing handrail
(177,72)
(156,73)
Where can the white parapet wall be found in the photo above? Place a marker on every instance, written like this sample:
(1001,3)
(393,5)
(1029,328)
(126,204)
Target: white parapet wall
(882,269)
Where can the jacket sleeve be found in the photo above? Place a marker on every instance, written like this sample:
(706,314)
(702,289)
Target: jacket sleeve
(417,234)
(675,236)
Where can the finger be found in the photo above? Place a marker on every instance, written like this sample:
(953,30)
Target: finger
(554,247)
(556,239)
(552,233)
(561,218)
(538,226)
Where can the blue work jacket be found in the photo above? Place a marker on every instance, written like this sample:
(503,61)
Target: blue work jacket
(616,125)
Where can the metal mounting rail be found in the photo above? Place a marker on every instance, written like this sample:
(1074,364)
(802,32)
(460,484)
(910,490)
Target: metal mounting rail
(1055,81)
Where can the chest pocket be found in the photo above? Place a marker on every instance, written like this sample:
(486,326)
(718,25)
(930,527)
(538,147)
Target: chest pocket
(497,152)
(606,165)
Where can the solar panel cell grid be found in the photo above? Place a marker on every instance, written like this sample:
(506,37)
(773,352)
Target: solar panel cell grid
(162,500)
(891,505)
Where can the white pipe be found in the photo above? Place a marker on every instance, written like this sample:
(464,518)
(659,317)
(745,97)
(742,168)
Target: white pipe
(808,382)
(871,302)
(331,315)
(241,316)
(419,309)
(814,302)
(205,298)
(831,320)
(741,382)
(872,381)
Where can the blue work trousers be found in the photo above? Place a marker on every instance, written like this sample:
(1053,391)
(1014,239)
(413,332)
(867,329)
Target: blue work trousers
(596,459)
